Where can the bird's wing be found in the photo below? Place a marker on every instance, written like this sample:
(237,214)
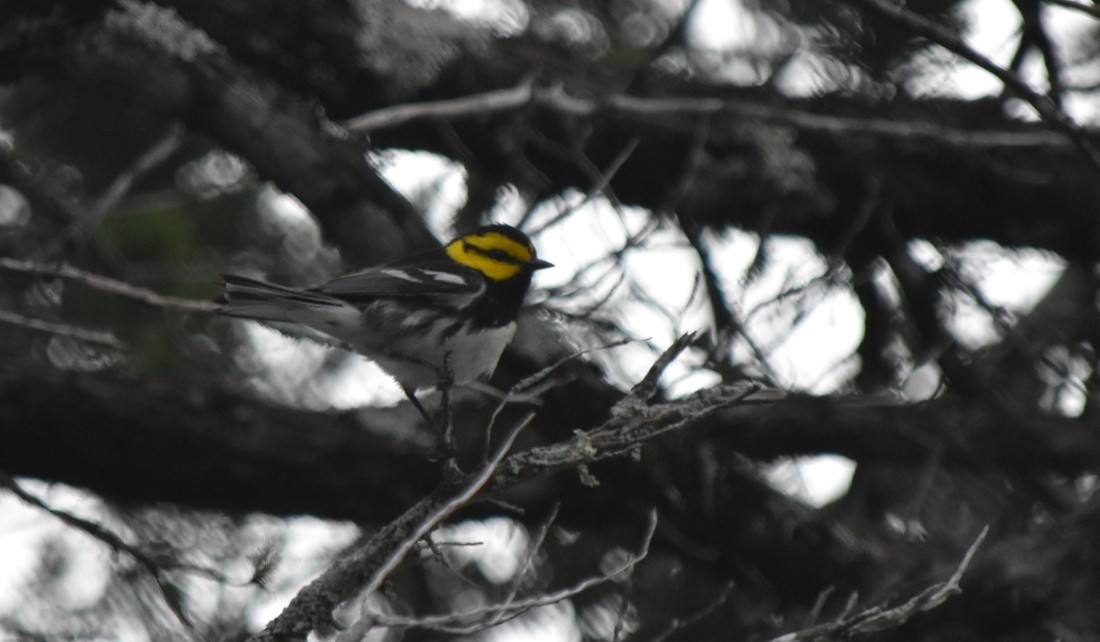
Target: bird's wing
(422,279)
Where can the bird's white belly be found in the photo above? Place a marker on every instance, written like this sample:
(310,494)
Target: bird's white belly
(476,354)
(473,354)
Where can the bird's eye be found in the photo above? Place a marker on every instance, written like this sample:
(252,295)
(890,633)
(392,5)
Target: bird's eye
(499,255)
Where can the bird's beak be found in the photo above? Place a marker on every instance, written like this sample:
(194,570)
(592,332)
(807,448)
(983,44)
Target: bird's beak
(539,264)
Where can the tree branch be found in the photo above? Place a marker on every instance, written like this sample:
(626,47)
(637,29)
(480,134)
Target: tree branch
(1046,108)
(556,99)
(366,569)
(155,567)
(96,337)
(477,619)
(1077,6)
(877,619)
(106,284)
(153,57)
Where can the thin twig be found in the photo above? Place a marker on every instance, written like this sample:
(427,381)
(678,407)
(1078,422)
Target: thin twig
(446,381)
(577,285)
(624,606)
(465,106)
(440,622)
(600,186)
(97,337)
(528,382)
(724,322)
(98,532)
(818,606)
(614,440)
(440,558)
(365,569)
(528,558)
(441,512)
(446,509)
(677,624)
(877,619)
(647,387)
(157,153)
(532,550)
(106,284)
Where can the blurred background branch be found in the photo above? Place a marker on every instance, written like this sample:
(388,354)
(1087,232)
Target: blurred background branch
(877,221)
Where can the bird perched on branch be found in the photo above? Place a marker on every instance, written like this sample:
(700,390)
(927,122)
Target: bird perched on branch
(435,318)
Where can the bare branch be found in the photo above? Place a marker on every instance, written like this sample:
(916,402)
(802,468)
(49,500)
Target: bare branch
(105,284)
(465,106)
(1044,106)
(158,152)
(155,567)
(877,619)
(1077,6)
(647,387)
(476,482)
(724,322)
(536,545)
(632,422)
(522,388)
(603,179)
(366,569)
(478,615)
(105,339)
(557,100)
(677,624)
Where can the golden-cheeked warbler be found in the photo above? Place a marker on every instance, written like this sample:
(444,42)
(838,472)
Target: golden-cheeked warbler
(440,316)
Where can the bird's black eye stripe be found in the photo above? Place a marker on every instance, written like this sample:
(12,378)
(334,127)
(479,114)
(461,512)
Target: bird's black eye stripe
(496,255)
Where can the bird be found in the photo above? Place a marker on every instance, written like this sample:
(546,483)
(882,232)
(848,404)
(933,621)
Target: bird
(436,318)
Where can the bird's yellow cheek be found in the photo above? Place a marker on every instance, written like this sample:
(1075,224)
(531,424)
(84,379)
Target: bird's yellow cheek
(491,268)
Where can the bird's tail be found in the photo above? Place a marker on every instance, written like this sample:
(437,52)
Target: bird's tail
(250,298)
